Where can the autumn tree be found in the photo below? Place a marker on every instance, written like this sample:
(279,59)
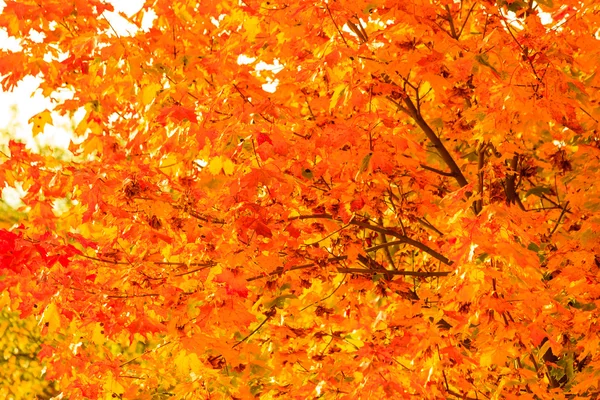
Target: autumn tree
(344,199)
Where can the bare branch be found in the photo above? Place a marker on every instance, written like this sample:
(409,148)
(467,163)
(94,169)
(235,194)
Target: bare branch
(336,27)
(451,22)
(388,272)
(562,213)
(437,143)
(386,231)
(437,171)
(269,316)
(466,19)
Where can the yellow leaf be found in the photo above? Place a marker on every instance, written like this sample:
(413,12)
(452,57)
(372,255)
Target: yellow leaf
(4,301)
(228,167)
(111,386)
(93,143)
(486,359)
(170,164)
(39,121)
(98,335)
(51,317)
(195,364)
(182,361)
(337,94)
(149,93)
(252,27)
(215,166)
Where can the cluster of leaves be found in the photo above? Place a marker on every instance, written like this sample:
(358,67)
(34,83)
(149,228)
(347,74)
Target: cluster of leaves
(412,212)
(21,375)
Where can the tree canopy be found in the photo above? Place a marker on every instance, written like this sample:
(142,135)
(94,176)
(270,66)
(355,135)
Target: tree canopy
(339,199)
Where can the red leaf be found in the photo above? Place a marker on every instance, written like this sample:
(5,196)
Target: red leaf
(357,204)
(235,284)
(263,137)
(144,326)
(293,231)
(46,351)
(83,241)
(537,335)
(177,113)
(262,229)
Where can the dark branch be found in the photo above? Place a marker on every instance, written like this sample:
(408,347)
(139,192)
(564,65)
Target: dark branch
(562,213)
(466,19)
(451,22)
(390,272)
(269,316)
(402,238)
(437,171)
(436,141)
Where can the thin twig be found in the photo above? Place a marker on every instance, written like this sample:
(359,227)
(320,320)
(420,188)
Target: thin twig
(126,296)
(254,331)
(562,213)
(427,224)
(281,270)
(143,354)
(328,296)
(466,19)
(194,270)
(356,31)
(336,27)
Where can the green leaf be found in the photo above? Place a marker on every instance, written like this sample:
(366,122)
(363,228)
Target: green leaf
(279,301)
(582,306)
(533,247)
(482,257)
(538,191)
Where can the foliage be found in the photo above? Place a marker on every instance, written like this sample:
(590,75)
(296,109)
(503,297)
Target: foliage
(413,212)
(21,375)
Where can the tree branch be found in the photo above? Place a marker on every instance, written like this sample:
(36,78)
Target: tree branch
(478,205)
(387,248)
(466,19)
(281,270)
(562,213)
(437,171)
(402,238)
(336,26)
(269,316)
(435,140)
(451,22)
(389,272)
(510,188)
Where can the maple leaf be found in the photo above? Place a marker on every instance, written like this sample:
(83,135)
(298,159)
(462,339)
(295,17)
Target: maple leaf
(177,113)
(39,122)
(262,138)
(7,248)
(144,325)
(235,284)
(46,351)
